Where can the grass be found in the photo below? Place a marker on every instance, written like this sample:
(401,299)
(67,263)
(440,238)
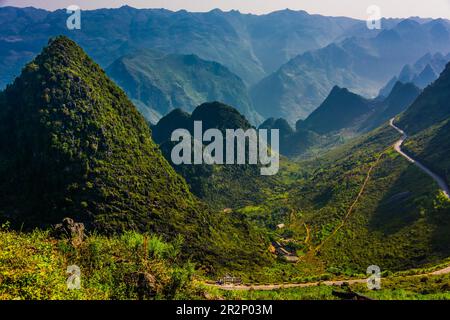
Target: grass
(410,288)
(33,267)
(319,292)
(398,288)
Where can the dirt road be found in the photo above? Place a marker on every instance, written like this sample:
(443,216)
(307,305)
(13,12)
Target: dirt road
(266,287)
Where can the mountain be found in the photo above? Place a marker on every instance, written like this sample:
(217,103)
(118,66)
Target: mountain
(250,46)
(341,109)
(281,124)
(400,98)
(66,126)
(344,110)
(421,73)
(341,116)
(299,86)
(221,186)
(427,76)
(73,145)
(362,203)
(361,64)
(175,119)
(219,116)
(402,209)
(158,83)
(293,142)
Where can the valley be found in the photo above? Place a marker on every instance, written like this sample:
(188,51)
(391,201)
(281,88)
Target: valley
(114,156)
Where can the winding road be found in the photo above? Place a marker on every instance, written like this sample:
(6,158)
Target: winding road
(397,146)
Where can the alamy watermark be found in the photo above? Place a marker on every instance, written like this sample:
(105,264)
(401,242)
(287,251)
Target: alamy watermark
(374,20)
(73,22)
(74,279)
(374,281)
(241,147)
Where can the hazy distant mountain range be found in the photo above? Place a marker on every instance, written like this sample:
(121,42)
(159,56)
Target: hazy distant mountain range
(158,83)
(363,65)
(288,60)
(422,73)
(250,46)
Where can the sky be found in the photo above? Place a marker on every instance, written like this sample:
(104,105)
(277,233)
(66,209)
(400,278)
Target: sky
(349,8)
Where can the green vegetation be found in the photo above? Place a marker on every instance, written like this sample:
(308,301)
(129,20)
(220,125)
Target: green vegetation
(130,266)
(427,122)
(430,108)
(70,133)
(73,145)
(397,288)
(409,288)
(221,186)
(307,293)
(342,115)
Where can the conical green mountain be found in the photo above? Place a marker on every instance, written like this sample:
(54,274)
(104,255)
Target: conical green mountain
(220,186)
(340,110)
(72,144)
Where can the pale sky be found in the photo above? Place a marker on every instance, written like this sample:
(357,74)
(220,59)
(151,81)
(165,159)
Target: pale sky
(350,8)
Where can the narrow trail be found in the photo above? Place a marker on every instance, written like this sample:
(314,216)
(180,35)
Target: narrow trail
(350,209)
(308,235)
(267,287)
(397,146)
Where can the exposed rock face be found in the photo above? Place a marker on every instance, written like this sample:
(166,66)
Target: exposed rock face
(145,284)
(69,229)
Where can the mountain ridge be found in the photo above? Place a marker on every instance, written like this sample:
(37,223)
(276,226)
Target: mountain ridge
(363,65)
(159,83)
(73,145)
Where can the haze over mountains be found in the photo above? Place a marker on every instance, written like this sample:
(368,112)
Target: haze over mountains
(158,83)
(343,114)
(73,145)
(288,60)
(362,65)
(250,46)
(422,73)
